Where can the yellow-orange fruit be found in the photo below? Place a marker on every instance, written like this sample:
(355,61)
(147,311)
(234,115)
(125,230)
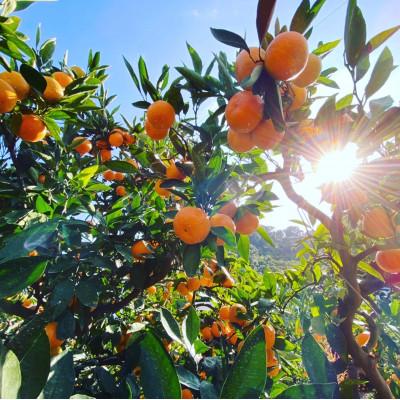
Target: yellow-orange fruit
(272,360)
(206,333)
(62,78)
(236,312)
(233,339)
(119,176)
(187,394)
(228,282)
(247,224)
(17,82)
(228,209)
(108,175)
(191,225)
(245,62)
(286,56)
(224,313)
(239,142)
(155,133)
(265,136)
(269,333)
(376,224)
(182,288)
(32,128)
(33,253)
(128,139)
(244,111)
(298,96)
(54,92)
(8,97)
(274,371)
(389,260)
(101,144)
(216,329)
(222,220)
(120,191)
(161,114)
(83,147)
(363,338)
(193,284)
(116,139)
(161,191)
(310,73)
(152,290)
(105,155)
(51,332)
(79,72)
(141,248)
(42,179)
(173,172)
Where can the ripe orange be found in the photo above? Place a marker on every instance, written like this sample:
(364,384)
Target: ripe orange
(8,97)
(161,115)
(116,139)
(376,223)
(132,162)
(109,175)
(286,56)
(101,144)
(273,372)
(247,224)
(245,62)
(173,172)
(79,72)
(105,155)
(239,142)
(27,303)
(84,147)
(244,111)
(161,191)
(191,225)
(218,220)
(51,332)
(216,329)
(310,73)
(62,78)
(363,338)
(141,248)
(17,82)
(229,282)
(32,128)
(389,260)
(33,253)
(151,290)
(233,339)
(206,333)
(193,284)
(269,333)
(229,209)
(298,96)
(182,288)
(120,191)
(128,139)
(187,394)
(272,361)
(54,92)
(42,179)
(155,133)
(236,312)
(265,136)
(119,176)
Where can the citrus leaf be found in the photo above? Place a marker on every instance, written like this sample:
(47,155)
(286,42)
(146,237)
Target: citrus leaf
(229,38)
(380,38)
(191,327)
(310,391)
(191,259)
(10,374)
(33,77)
(265,10)
(355,33)
(305,14)
(170,325)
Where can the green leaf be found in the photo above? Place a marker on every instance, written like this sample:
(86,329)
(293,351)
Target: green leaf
(88,291)
(264,234)
(229,38)
(327,82)
(326,47)
(170,325)
(344,102)
(225,234)
(196,60)
(60,383)
(141,104)
(47,50)
(42,206)
(194,78)
(162,381)
(244,247)
(315,362)
(84,176)
(143,74)
(246,377)
(53,128)
(381,72)
(61,296)
(355,33)
(305,14)
(187,378)
(370,270)
(33,77)
(265,10)
(174,97)
(191,327)
(10,374)
(207,390)
(191,259)
(337,341)
(379,106)
(310,391)
(121,166)
(380,38)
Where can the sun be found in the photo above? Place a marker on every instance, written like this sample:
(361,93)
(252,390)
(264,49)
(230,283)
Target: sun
(337,166)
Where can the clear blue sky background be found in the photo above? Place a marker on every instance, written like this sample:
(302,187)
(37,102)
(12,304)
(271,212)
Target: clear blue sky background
(158,30)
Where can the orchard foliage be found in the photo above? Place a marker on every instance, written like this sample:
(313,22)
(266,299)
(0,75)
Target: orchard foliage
(124,245)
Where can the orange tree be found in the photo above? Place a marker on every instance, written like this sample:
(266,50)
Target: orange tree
(124,245)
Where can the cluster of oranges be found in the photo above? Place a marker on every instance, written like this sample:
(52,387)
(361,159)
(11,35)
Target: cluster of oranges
(160,118)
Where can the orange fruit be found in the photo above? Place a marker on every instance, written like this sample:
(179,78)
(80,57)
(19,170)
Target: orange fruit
(182,288)
(120,191)
(389,260)
(310,73)
(173,172)
(272,361)
(27,303)
(224,312)
(155,133)
(269,333)
(54,92)
(239,142)
(246,62)
(229,209)
(298,96)
(161,191)
(151,290)
(132,162)
(187,394)
(219,220)
(228,282)
(109,175)
(265,136)
(206,333)
(216,329)
(189,297)
(83,147)
(244,111)
(33,253)
(54,351)
(62,78)
(105,155)
(161,115)
(193,284)
(119,176)
(376,224)
(51,332)
(17,82)
(363,338)
(233,339)
(235,312)
(116,139)
(141,248)
(42,179)
(247,224)
(101,144)
(32,128)
(79,72)
(8,97)
(191,225)
(273,372)
(286,56)
(128,139)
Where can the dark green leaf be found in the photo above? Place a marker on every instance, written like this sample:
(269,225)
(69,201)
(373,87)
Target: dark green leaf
(207,390)
(187,378)
(265,10)
(225,234)
(229,38)
(362,67)
(88,291)
(305,14)
(61,296)
(132,74)
(194,78)
(170,325)
(174,97)
(310,391)
(143,74)
(244,247)
(10,374)
(191,259)
(47,49)
(121,166)
(33,77)
(355,33)
(337,340)
(191,327)
(196,60)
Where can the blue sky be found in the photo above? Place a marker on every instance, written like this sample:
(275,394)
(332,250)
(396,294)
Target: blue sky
(158,30)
